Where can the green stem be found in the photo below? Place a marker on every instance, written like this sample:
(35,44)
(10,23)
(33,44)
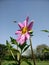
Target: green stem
(33,57)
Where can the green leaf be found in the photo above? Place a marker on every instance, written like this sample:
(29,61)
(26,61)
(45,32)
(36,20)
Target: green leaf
(18,56)
(29,63)
(12,54)
(10,63)
(31,31)
(15,52)
(25,60)
(8,45)
(11,49)
(22,46)
(13,41)
(26,48)
(45,31)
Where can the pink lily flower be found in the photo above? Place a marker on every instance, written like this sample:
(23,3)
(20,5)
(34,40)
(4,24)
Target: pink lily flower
(24,32)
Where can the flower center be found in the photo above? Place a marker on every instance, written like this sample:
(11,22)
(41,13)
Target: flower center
(24,30)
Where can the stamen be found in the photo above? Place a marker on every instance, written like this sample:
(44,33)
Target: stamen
(24,30)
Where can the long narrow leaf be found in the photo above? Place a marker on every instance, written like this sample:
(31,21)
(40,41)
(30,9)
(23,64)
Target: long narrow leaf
(13,41)
(8,45)
(26,48)
(22,46)
(45,31)
(12,54)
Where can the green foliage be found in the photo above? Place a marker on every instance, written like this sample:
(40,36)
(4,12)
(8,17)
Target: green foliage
(42,51)
(13,41)
(3,51)
(8,45)
(26,61)
(9,63)
(46,49)
(15,52)
(45,31)
(26,48)
(10,48)
(22,46)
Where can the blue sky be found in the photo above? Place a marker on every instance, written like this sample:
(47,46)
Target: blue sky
(37,10)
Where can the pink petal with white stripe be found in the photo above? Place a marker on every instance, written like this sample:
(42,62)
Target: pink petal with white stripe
(18,32)
(27,35)
(22,39)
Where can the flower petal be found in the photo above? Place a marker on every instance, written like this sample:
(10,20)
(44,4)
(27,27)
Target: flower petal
(30,25)
(18,32)
(27,18)
(27,35)
(26,22)
(18,39)
(20,25)
(22,39)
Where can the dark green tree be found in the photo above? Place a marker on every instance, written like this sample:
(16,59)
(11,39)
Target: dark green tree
(3,51)
(40,50)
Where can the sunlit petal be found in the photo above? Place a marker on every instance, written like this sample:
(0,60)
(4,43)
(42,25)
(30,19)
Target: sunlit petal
(22,39)
(27,35)
(18,32)
(26,22)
